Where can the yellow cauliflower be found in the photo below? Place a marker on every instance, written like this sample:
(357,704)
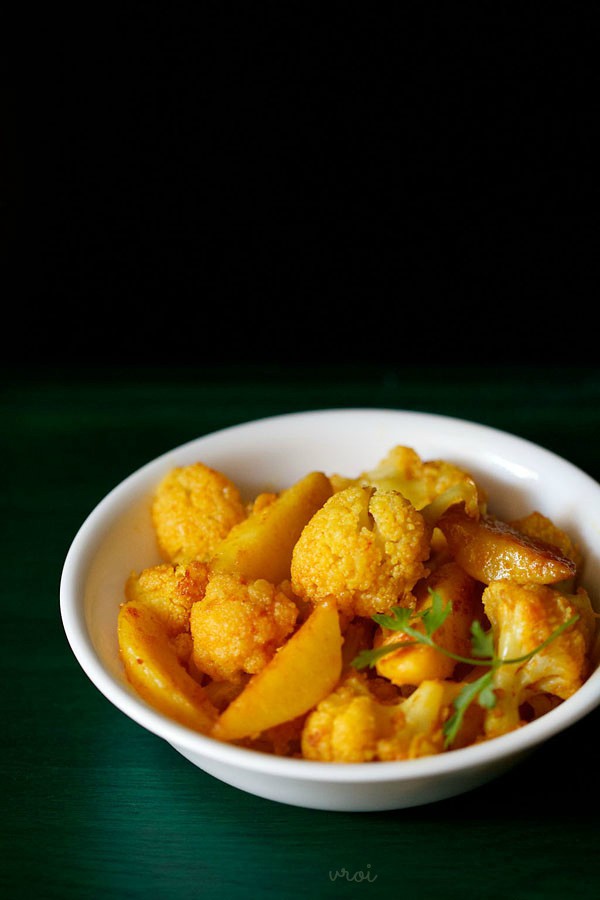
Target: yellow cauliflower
(522,618)
(353,725)
(238,626)
(345,725)
(419,481)
(364,547)
(417,729)
(169,590)
(193,509)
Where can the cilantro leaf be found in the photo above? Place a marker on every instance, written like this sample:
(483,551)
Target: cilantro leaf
(368,658)
(436,614)
(399,619)
(461,703)
(482,642)
(487,697)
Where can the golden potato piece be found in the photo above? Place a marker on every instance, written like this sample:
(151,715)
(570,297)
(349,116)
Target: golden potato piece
(489,550)
(194,508)
(261,546)
(412,665)
(153,668)
(539,526)
(298,677)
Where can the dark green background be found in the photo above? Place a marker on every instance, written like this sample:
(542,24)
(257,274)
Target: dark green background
(96,807)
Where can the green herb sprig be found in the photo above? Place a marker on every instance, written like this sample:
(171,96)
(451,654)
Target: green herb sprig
(482,647)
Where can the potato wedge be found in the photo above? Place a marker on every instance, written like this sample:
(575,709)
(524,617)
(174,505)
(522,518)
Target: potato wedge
(155,671)
(261,546)
(298,677)
(489,550)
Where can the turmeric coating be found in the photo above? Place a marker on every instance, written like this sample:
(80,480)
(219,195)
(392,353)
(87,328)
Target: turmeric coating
(414,664)
(170,589)
(353,725)
(365,547)
(420,481)
(251,627)
(522,617)
(238,626)
(194,507)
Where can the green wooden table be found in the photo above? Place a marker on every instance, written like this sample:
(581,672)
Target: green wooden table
(94,806)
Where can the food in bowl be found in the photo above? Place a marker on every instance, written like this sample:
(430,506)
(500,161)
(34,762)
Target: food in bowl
(362,617)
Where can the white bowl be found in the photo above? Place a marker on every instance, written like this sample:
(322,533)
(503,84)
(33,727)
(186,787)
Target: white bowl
(117,538)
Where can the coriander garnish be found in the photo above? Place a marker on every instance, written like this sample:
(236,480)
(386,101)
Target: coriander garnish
(482,647)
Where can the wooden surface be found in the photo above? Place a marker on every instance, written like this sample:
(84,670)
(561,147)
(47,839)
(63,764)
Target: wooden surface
(94,806)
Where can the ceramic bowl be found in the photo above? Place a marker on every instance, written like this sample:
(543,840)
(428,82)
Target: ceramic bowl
(117,537)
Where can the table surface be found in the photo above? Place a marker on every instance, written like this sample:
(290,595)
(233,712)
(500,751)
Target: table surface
(95,806)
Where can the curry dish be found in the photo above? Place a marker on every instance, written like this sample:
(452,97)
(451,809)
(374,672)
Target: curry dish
(351,618)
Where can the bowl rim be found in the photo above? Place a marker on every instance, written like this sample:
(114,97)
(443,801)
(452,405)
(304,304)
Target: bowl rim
(71,596)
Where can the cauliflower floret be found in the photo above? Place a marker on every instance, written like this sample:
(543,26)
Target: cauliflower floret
(170,590)
(522,618)
(353,725)
(418,725)
(345,725)
(238,626)
(193,509)
(420,481)
(364,547)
